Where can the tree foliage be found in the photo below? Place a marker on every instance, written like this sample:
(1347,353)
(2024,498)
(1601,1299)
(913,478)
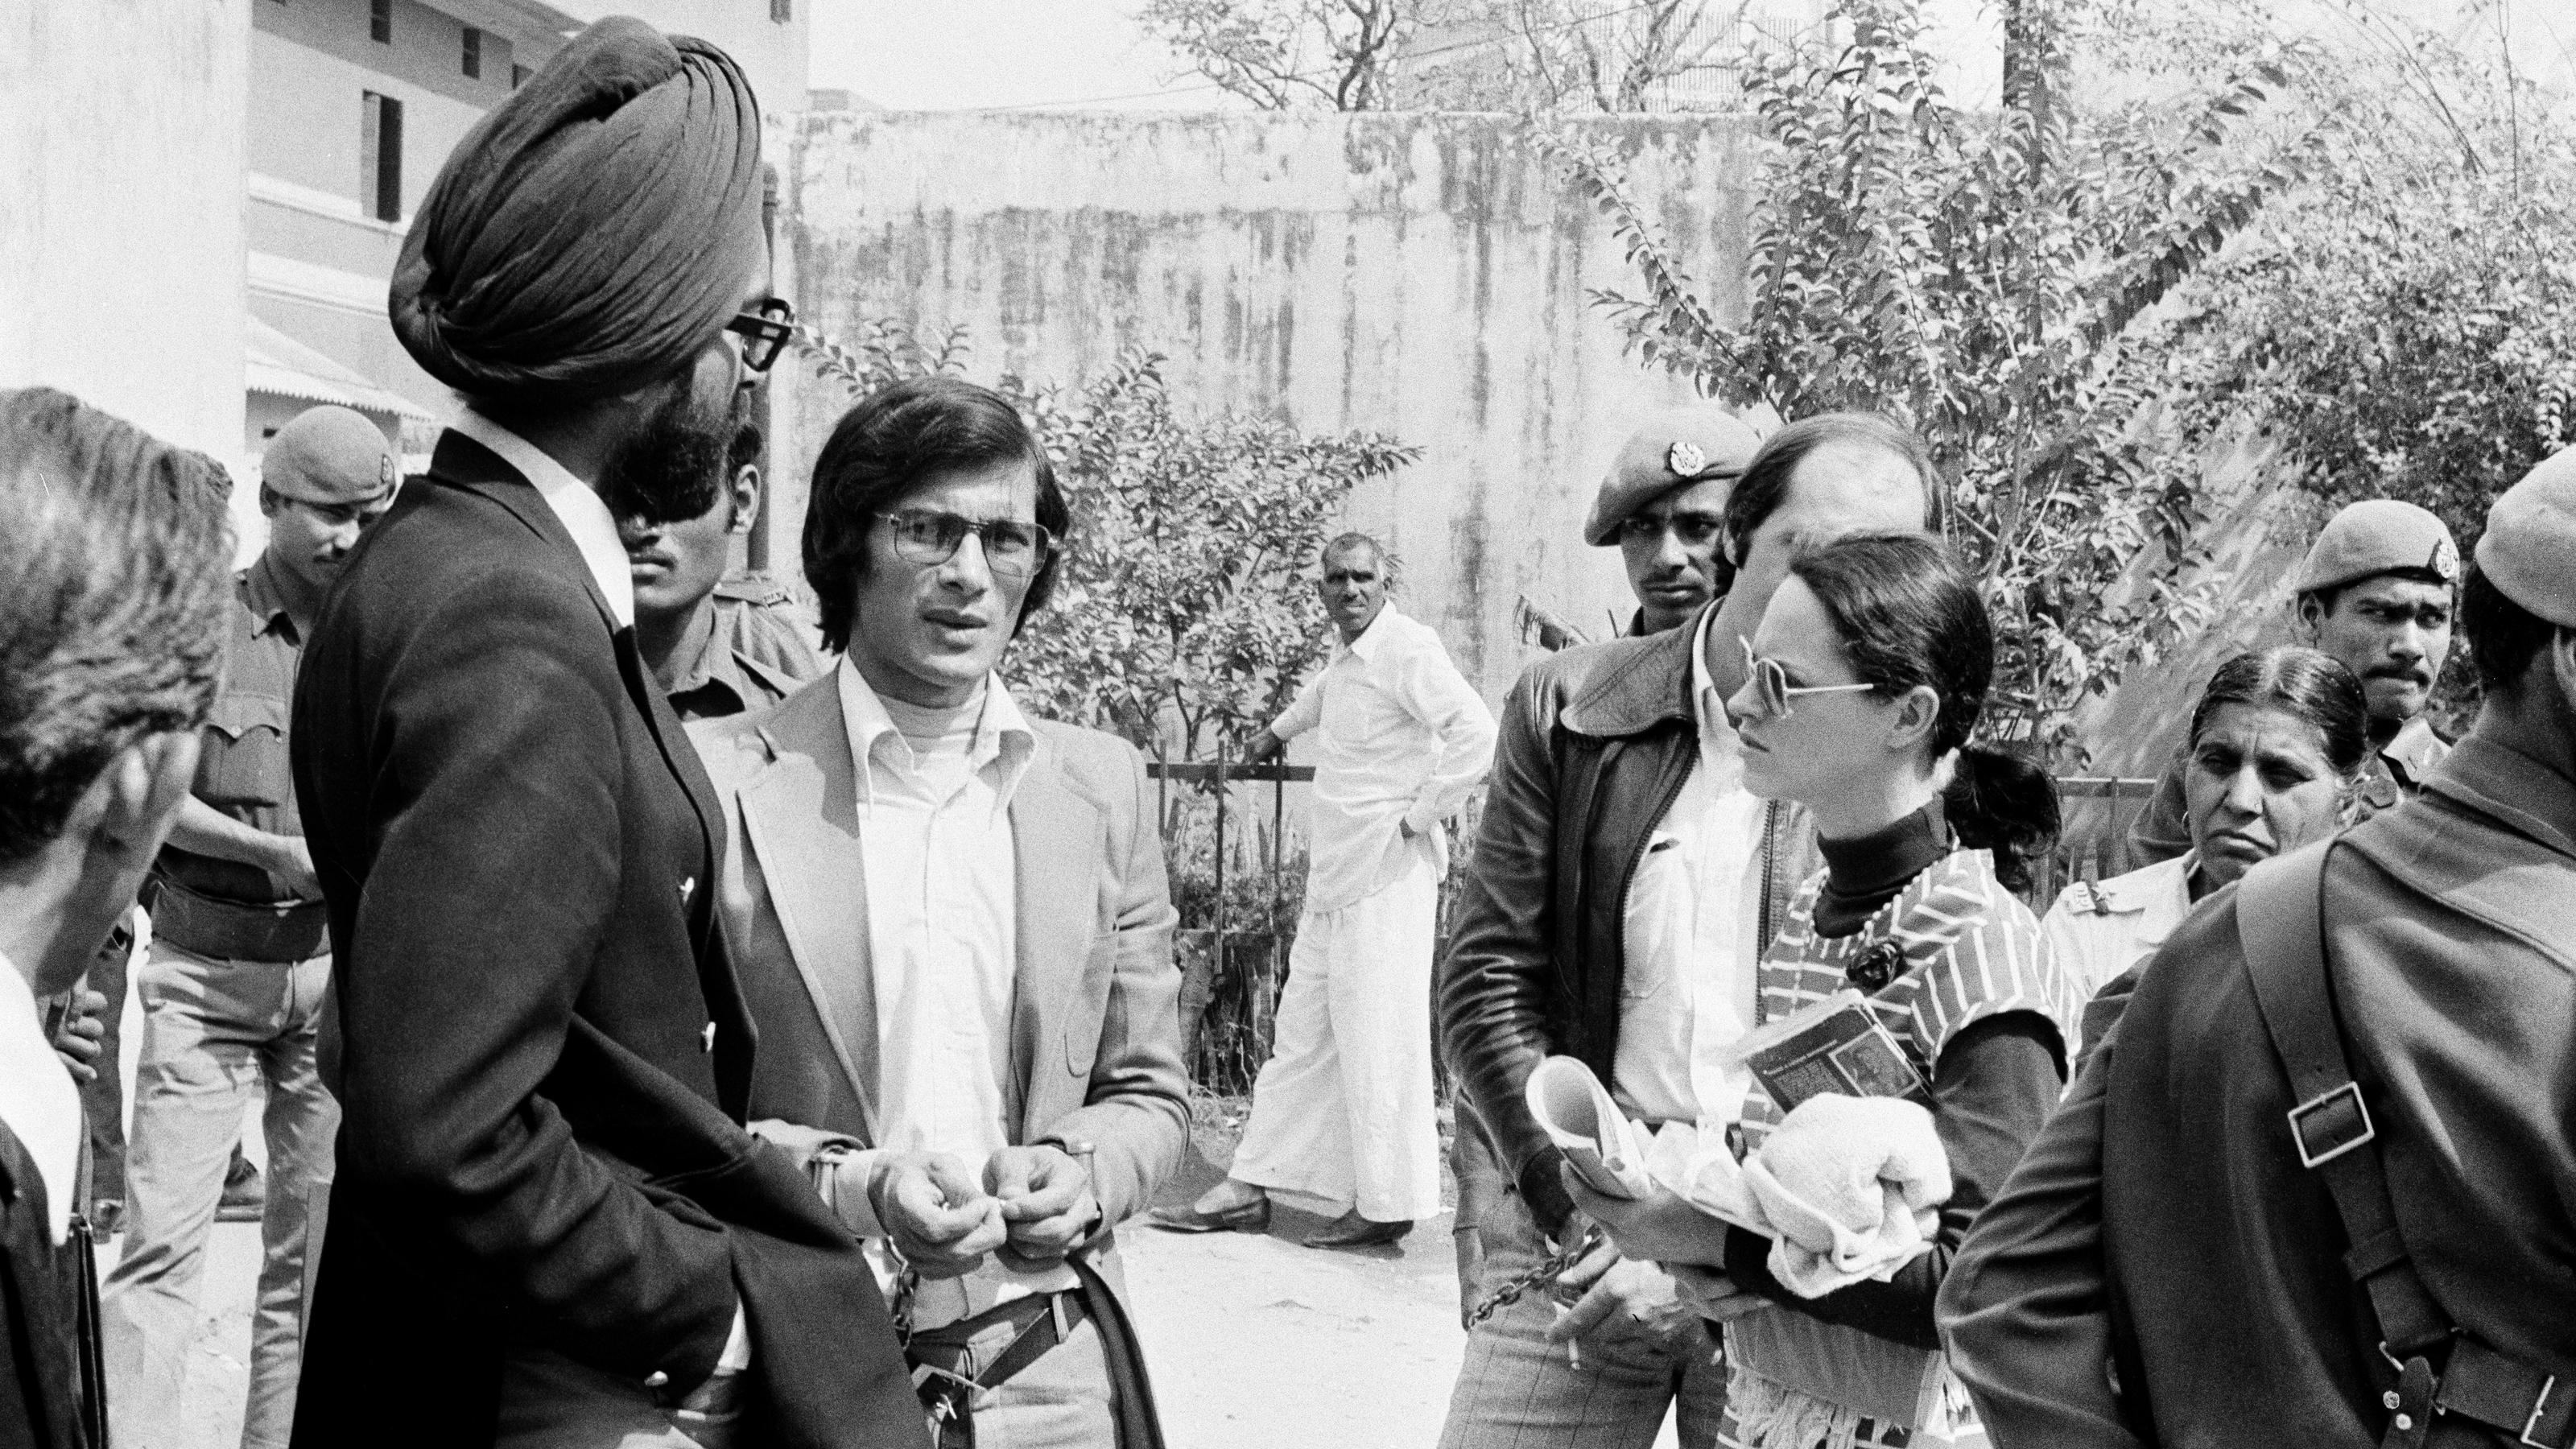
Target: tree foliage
(1983,279)
(1186,612)
(2406,326)
(1453,55)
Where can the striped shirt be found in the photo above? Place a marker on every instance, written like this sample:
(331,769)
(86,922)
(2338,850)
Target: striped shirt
(1969,950)
(1964,949)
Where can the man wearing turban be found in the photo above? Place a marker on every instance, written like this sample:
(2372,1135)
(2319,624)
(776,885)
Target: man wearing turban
(549,1224)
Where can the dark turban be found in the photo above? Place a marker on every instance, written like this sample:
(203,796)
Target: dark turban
(594,233)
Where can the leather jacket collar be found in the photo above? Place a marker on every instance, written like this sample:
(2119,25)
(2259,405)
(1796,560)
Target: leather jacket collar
(1647,684)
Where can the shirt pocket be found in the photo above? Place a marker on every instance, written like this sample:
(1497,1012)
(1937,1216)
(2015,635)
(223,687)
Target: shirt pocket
(244,762)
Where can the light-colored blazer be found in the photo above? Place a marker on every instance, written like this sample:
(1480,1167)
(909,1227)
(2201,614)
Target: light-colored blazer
(1095,1050)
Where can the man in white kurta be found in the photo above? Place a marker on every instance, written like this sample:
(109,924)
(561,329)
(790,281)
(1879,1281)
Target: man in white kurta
(1343,1109)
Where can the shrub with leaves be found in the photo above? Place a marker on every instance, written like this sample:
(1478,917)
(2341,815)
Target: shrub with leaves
(1983,279)
(2406,327)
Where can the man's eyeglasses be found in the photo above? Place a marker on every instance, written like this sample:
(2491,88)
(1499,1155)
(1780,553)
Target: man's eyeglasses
(765,332)
(931,536)
(1772,689)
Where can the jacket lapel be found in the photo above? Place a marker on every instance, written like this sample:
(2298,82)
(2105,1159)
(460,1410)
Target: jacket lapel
(1055,842)
(461,461)
(800,820)
(468,464)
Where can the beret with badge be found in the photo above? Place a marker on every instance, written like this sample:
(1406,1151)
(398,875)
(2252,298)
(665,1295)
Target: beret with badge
(328,455)
(2529,549)
(2378,536)
(1680,446)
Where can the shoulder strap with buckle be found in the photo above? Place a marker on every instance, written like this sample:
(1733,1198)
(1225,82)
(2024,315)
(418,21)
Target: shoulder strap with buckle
(2279,916)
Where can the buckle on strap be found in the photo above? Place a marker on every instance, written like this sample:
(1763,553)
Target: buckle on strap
(2539,1406)
(2339,1121)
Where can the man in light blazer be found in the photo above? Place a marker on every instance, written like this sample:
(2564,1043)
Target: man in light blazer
(955,933)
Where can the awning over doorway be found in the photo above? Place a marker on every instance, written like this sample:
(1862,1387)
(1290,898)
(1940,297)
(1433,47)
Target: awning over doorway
(283,367)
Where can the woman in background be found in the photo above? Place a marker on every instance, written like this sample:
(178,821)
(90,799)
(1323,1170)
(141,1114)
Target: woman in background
(2278,741)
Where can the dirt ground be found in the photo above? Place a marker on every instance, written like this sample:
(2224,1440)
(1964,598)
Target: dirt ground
(1254,1342)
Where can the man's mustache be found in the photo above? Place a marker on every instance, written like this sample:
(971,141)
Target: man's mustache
(2400,671)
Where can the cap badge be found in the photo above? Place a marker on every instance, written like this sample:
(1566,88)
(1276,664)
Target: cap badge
(1686,460)
(2445,560)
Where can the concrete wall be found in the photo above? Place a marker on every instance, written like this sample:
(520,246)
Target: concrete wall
(121,135)
(1420,275)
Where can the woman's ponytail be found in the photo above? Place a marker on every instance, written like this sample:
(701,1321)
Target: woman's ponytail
(2003,803)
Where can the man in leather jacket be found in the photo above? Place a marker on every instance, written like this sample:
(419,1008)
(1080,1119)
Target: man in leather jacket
(1621,893)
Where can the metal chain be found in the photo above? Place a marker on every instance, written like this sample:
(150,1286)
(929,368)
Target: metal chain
(1537,1276)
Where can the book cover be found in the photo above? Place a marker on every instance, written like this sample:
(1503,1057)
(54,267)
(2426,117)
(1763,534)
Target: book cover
(1835,1045)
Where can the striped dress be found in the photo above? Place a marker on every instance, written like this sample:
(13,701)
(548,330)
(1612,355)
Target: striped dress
(1951,949)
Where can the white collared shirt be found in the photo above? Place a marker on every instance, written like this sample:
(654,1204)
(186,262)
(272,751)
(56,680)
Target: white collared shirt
(2102,928)
(575,504)
(939,866)
(1687,993)
(37,1099)
(1402,740)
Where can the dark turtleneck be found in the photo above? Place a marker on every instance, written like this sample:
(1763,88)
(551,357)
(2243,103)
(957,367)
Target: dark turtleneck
(1866,871)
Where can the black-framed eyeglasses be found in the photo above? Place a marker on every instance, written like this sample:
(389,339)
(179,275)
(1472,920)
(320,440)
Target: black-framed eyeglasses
(765,331)
(1772,689)
(931,536)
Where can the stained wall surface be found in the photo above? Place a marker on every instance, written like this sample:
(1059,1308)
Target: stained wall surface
(121,133)
(1426,276)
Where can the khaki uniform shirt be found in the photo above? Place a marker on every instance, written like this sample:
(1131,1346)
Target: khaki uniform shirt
(757,654)
(242,770)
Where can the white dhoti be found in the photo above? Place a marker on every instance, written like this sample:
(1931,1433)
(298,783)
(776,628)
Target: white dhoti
(1343,1109)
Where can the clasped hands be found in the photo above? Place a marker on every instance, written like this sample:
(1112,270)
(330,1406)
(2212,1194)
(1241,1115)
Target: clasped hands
(1033,1206)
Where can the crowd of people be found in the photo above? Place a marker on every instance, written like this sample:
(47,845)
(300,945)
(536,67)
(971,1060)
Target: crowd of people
(672,1032)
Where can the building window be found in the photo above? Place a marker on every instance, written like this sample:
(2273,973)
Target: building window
(782,11)
(380,21)
(473,53)
(380,156)
(518,76)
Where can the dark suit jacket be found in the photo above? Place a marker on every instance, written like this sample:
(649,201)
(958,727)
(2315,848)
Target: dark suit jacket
(1095,1038)
(541,1141)
(40,1314)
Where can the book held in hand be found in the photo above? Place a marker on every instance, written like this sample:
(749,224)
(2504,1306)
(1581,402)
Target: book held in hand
(1835,1045)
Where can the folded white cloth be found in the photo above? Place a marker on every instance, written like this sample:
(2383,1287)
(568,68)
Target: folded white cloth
(1850,1184)
(1844,1187)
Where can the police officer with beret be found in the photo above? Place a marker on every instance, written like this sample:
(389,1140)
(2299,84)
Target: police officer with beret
(720,644)
(234,991)
(2375,592)
(2313,1186)
(1663,503)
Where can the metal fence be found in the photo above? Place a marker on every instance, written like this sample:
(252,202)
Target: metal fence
(1238,884)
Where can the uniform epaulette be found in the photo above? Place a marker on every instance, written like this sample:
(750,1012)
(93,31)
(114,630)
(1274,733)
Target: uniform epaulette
(753,587)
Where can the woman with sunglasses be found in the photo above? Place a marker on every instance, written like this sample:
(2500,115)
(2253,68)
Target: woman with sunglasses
(1865,681)
(2278,743)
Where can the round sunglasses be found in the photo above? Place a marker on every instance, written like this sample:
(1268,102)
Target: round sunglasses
(1772,689)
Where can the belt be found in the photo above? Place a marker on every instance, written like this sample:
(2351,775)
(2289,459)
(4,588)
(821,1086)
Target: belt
(239,930)
(947,1376)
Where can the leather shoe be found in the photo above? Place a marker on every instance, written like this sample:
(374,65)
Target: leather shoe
(1251,1217)
(1350,1230)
